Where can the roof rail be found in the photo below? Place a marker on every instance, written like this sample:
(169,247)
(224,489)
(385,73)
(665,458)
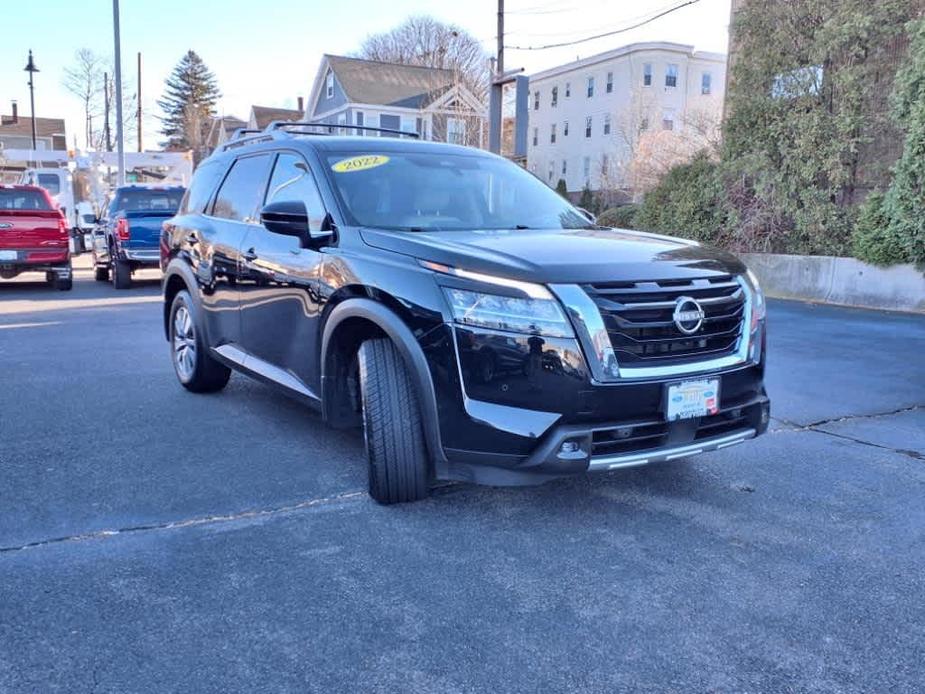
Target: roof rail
(285,125)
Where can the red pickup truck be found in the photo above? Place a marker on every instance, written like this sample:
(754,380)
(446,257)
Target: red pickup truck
(33,236)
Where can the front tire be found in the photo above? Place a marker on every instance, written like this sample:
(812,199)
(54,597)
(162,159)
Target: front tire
(399,467)
(196,369)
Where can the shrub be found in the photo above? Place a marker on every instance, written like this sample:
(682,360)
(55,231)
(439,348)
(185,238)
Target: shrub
(587,200)
(622,217)
(874,241)
(561,189)
(689,201)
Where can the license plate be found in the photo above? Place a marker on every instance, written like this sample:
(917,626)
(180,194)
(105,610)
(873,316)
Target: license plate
(689,399)
(7,255)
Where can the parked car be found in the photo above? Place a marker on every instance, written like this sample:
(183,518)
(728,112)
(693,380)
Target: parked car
(375,278)
(127,237)
(59,182)
(34,236)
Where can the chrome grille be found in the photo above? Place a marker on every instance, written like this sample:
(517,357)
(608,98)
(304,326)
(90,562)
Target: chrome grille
(639,317)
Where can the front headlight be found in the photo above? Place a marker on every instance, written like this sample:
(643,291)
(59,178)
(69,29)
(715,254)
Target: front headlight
(519,315)
(533,311)
(759,313)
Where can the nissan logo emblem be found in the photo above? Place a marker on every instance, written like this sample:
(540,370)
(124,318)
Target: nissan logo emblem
(688,315)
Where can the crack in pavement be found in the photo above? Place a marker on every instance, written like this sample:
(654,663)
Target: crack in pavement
(814,426)
(186,523)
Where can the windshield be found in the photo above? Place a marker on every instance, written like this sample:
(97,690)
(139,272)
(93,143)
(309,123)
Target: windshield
(12,199)
(437,191)
(167,201)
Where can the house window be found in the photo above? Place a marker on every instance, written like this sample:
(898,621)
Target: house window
(456,131)
(564,167)
(706,81)
(647,75)
(329,85)
(536,101)
(587,168)
(607,124)
(671,76)
(565,129)
(342,121)
(609,82)
(360,118)
(568,89)
(555,96)
(605,166)
(389,122)
(644,124)
(536,136)
(590,87)
(588,126)
(668,120)
(552,133)
(552,170)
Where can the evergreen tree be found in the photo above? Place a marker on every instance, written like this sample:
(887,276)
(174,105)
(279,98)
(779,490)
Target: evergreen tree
(904,203)
(561,188)
(188,104)
(587,200)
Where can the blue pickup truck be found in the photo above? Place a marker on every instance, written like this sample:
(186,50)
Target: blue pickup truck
(127,237)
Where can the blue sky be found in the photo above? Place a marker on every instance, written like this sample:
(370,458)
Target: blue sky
(267,52)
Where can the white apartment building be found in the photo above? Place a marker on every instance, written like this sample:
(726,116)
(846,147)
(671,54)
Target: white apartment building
(587,117)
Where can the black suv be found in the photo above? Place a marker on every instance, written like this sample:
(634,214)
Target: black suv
(474,323)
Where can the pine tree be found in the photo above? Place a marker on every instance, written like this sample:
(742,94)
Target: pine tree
(188,104)
(561,188)
(904,203)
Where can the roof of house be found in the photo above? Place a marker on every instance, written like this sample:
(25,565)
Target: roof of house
(44,127)
(392,84)
(264,115)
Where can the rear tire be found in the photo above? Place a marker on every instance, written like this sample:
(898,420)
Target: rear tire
(196,369)
(399,466)
(101,274)
(64,284)
(50,277)
(121,274)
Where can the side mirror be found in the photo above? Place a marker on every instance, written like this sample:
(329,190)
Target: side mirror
(290,217)
(587,214)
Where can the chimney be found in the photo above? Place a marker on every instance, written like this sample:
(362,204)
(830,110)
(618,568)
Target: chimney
(15,112)
(301,103)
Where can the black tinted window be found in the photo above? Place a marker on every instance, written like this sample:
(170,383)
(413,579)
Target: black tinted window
(242,190)
(12,199)
(292,180)
(165,200)
(201,187)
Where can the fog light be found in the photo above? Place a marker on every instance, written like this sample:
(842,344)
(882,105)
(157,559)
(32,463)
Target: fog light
(765,414)
(570,447)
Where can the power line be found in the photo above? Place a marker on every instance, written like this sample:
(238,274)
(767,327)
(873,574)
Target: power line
(605,34)
(579,32)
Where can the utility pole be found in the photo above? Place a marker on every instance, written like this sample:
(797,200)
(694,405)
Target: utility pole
(138,112)
(31,69)
(496,97)
(120,135)
(107,133)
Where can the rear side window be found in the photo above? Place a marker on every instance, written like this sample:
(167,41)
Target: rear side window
(242,190)
(50,182)
(293,181)
(201,187)
(23,200)
(153,200)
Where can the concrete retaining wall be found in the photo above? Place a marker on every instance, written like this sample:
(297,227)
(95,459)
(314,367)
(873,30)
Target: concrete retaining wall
(844,281)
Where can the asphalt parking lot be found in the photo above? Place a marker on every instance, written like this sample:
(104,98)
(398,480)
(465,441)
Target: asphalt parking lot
(155,540)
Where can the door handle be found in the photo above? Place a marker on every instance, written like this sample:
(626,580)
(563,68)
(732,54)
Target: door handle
(249,254)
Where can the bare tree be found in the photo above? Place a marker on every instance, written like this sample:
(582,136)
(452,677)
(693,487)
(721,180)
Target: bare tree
(424,40)
(84,79)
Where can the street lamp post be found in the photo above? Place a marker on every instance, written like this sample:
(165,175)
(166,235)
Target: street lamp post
(31,69)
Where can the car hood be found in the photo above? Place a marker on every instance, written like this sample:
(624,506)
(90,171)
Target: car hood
(561,255)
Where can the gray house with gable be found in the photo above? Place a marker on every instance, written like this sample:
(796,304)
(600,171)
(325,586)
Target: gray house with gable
(429,101)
